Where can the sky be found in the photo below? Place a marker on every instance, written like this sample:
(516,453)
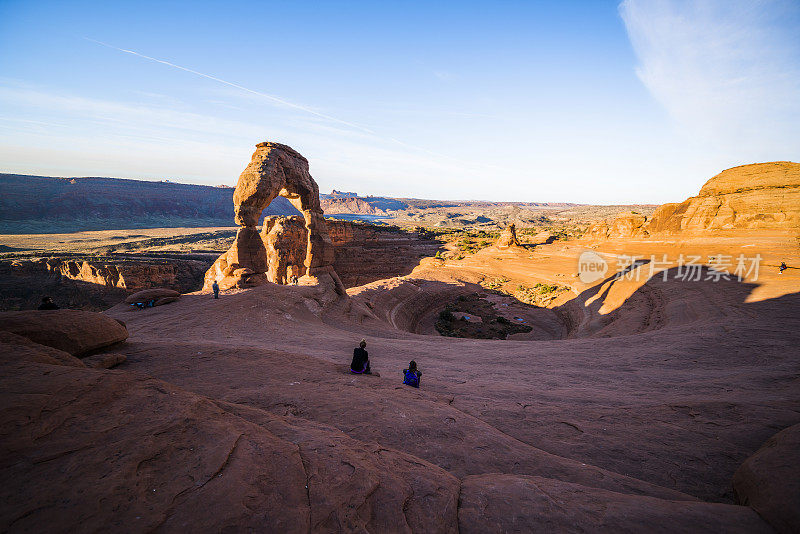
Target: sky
(564,101)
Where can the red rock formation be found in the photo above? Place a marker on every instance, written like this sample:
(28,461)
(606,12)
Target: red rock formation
(769,481)
(15,348)
(508,239)
(118,273)
(364,253)
(285,239)
(73,331)
(667,218)
(625,225)
(761,196)
(348,233)
(159,296)
(274,170)
(95,284)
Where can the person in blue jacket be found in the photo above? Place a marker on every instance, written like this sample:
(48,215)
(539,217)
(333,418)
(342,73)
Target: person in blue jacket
(412,375)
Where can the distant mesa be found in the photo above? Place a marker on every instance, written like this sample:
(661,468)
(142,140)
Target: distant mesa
(42,204)
(343,194)
(337,205)
(275,170)
(761,196)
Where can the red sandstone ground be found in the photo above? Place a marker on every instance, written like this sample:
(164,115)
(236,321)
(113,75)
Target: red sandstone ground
(249,403)
(645,405)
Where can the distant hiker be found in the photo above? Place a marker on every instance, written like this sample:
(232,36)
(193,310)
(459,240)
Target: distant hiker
(144,304)
(360,364)
(412,375)
(293,279)
(48,304)
(782,268)
(215,287)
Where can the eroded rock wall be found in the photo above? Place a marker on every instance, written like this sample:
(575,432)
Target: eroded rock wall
(366,253)
(350,233)
(756,198)
(94,284)
(624,225)
(285,240)
(762,196)
(363,253)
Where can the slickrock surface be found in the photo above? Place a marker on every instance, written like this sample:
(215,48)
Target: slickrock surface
(73,331)
(763,196)
(16,348)
(239,413)
(509,503)
(769,481)
(148,455)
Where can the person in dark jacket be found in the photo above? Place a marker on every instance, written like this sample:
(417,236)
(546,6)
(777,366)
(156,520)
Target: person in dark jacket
(215,289)
(412,375)
(360,364)
(48,304)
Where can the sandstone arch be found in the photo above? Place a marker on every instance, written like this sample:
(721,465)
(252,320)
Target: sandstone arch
(274,170)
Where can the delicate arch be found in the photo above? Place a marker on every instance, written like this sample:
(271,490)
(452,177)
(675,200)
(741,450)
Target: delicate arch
(274,170)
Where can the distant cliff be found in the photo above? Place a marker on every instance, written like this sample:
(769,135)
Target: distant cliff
(43,204)
(336,205)
(749,199)
(92,283)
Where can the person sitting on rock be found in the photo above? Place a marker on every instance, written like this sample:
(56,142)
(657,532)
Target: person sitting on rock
(215,288)
(48,304)
(360,364)
(782,268)
(412,375)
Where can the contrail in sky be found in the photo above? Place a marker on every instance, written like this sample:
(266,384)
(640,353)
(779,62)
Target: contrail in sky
(237,86)
(289,104)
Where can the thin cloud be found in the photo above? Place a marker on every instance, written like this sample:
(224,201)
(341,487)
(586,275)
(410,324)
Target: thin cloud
(102,137)
(237,86)
(727,71)
(304,109)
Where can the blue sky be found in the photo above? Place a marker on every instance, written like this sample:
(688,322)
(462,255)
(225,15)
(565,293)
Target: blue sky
(594,102)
